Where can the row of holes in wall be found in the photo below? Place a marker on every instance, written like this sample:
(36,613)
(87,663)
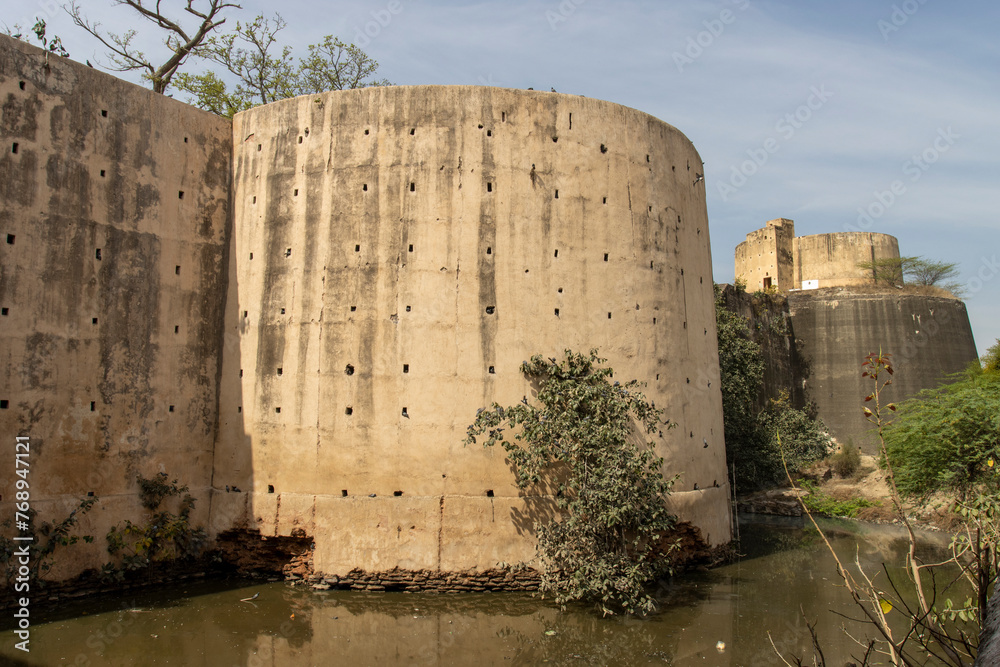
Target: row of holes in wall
(357,248)
(489,133)
(413,188)
(396,494)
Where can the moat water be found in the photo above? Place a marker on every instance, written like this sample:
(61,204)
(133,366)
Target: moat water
(719,617)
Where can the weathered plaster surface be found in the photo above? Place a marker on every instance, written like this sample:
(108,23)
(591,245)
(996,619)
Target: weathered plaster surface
(407,234)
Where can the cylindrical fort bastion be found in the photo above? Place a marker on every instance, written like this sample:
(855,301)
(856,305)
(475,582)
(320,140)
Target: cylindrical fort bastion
(397,253)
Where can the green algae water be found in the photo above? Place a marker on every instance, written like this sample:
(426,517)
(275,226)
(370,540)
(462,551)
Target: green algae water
(719,617)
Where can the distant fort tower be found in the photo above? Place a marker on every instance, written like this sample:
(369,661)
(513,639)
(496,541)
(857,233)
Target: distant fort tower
(838,315)
(773,257)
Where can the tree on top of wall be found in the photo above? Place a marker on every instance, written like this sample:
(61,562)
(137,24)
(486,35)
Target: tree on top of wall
(181,41)
(893,271)
(263,73)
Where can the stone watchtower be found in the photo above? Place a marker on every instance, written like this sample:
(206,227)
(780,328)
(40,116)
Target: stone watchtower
(838,316)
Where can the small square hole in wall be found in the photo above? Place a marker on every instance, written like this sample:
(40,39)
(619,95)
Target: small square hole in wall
(405,413)
(90,494)
(651,209)
(349,370)
(490,310)
(560,290)
(93,320)
(280,371)
(503,116)
(605,257)
(489,493)
(411,247)
(557,312)
(97,253)
(185,139)
(241,372)
(245,313)
(180,194)
(102,173)
(604,149)
(104,113)
(556,253)
(364,187)
(348,410)
(277,410)
(407,309)
(357,248)
(300,140)
(604,200)
(647,158)
(13,148)
(170,409)
(489,187)
(282,311)
(406,368)
(10,241)
(489,251)
(489,133)
(367,132)
(397,494)
(177,328)
(412,131)
(254,201)
(259,146)
(609,316)
(343,493)
(93,406)
(21,85)
(557,194)
(354,308)
(4,404)
(296,193)
(492,370)
(270,487)
(5,310)
(177,270)
(413,187)
(288,252)
(239,409)
(654,320)
(251,255)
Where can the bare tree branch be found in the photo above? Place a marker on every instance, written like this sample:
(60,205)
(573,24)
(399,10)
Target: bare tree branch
(126,58)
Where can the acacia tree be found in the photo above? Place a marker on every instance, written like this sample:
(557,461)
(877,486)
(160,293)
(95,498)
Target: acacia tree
(587,437)
(181,42)
(265,72)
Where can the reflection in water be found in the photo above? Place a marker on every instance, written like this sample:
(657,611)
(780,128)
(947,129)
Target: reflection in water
(784,567)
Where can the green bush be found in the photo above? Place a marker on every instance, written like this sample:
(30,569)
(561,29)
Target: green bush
(847,461)
(948,439)
(585,439)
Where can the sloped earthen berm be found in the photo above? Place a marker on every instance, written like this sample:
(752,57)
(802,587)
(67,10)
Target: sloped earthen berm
(298,313)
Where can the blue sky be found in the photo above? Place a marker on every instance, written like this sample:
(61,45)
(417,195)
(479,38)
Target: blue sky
(804,110)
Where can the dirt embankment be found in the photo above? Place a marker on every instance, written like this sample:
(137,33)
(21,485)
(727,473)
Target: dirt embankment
(867,483)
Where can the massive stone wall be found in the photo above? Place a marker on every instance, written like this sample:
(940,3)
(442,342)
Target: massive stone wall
(113,247)
(929,337)
(398,253)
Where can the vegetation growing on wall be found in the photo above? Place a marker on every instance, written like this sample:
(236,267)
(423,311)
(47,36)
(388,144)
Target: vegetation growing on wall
(163,536)
(587,436)
(894,271)
(948,438)
(47,537)
(752,447)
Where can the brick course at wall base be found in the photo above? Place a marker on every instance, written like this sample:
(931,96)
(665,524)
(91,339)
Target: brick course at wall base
(431,581)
